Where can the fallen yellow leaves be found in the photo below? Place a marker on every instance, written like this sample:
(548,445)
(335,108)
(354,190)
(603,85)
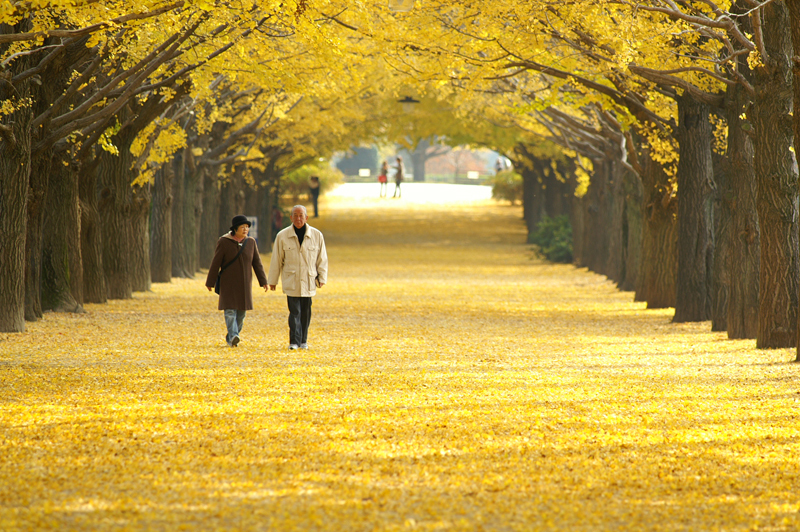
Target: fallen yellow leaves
(454,383)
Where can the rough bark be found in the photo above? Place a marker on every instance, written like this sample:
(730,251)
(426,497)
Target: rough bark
(594,249)
(161,226)
(180,259)
(776,175)
(192,210)
(15,168)
(94,278)
(721,285)
(139,238)
(115,215)
(37,195)
(794,25)
(62,271)
(615,215)
(659,260)
(209,224)
(632,232)
(603,220)
(744,256)
(232,200)
(695,211)
(557,192)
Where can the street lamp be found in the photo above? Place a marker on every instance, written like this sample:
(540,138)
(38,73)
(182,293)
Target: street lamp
(408,103)
(402,6)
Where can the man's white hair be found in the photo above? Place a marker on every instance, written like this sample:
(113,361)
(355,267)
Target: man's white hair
(305,212)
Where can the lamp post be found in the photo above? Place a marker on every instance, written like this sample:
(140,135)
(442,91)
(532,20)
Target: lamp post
(408,103)
(402,6)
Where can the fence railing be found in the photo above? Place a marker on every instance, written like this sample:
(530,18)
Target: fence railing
(429,178)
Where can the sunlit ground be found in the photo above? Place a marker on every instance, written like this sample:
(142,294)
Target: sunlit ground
(454,383)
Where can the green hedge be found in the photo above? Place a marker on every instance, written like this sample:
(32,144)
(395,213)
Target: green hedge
(507,185)
(553,236)
(295,183)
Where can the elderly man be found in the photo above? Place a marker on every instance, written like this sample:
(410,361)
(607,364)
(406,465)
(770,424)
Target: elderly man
(300,260)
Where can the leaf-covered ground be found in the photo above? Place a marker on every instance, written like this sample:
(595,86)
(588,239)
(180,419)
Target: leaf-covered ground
(454,383)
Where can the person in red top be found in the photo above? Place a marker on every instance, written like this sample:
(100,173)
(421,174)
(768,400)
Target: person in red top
(238,255)
(383,178)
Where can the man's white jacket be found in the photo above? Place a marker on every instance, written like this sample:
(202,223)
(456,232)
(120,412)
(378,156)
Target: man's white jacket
(299,267)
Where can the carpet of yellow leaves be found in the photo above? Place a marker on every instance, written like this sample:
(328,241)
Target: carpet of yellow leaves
(454,383)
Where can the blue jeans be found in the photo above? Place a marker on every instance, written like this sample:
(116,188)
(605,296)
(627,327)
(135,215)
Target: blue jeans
(234,319)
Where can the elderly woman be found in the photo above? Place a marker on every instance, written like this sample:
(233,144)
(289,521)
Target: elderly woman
(235,260)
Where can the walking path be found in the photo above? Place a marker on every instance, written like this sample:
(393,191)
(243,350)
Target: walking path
(454,382)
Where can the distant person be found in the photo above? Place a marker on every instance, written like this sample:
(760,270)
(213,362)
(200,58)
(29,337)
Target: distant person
(235,259)
(313,190)
(398,177)
(383,178)
(498,166)
(300,261)
(277,222)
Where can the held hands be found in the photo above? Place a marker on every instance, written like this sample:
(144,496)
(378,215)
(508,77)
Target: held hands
(271,287)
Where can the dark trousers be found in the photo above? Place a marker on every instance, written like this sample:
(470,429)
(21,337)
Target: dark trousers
(299,319)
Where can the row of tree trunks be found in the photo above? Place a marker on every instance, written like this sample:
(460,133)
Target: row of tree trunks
(602,238)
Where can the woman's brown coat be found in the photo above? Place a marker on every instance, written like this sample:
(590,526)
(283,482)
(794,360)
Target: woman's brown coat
(236,282)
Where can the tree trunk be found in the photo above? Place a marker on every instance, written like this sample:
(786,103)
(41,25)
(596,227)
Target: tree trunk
(532,197)
(37,195)
(721,284)
(232,200)
(794,24)
(180,260)
(161,226)
(115,216)
(62,272)
(594,242)
(776,175)
(139,236)
(659,262)
(632,232)
(209,224)
(695,211)
(15,169)
(614,215)
(94,278)
(191,215)
(418,158)
(557,192)
(744,254)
